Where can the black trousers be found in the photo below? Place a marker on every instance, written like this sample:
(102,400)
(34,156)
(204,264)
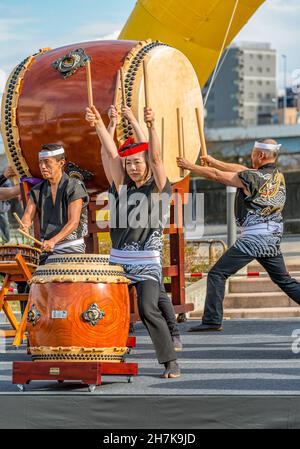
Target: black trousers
(167,309)
(148,293)
(231,262)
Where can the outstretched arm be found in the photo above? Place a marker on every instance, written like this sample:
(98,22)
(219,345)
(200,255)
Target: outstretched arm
(8,193)
(220,165)
(155,160)
(127,112)
(116,168)
(228,179)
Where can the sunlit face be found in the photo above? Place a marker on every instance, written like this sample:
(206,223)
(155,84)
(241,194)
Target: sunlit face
(136,167)
(50,167)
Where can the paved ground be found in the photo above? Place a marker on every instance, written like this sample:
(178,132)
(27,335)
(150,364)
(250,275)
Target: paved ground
(251,357)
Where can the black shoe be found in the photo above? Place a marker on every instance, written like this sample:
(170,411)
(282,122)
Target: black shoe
(177,343)
(172,370)
(206,328)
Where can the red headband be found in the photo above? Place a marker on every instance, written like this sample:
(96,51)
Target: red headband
(129,148)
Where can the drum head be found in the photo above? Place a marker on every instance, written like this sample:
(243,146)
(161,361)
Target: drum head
(174,95)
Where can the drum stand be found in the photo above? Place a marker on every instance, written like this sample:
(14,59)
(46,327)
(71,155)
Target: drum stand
(89,373)
(19,271)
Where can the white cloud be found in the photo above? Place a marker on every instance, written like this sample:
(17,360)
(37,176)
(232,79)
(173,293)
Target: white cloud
(95,31)
(9,29)
(283,6)
(111,36)
(3,78)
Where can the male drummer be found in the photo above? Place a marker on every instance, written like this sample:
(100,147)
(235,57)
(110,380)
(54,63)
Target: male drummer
(260,201)
(61,204)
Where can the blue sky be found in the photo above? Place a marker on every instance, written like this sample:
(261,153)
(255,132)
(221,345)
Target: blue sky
(27,25)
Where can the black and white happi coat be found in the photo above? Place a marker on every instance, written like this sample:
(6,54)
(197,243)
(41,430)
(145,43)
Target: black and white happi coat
(259,215)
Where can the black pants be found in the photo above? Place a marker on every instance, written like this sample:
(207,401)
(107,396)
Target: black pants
(166,307)
(231,262)
(148,293)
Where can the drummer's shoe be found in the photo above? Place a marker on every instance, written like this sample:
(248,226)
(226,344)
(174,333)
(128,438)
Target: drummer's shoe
(172,370)
(177,343)
(206,328)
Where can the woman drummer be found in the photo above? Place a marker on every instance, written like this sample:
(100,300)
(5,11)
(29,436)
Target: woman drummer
(137,186)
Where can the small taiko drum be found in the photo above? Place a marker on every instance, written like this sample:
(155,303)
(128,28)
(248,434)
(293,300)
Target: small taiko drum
(46,95)
(30,254)
(78,311)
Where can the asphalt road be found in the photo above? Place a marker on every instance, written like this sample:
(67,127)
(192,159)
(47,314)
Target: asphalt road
(251,357)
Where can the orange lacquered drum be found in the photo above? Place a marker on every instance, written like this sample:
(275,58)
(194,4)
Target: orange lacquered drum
(46,95)
(78,311)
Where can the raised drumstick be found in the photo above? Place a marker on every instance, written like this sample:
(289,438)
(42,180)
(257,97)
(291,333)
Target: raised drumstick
(146,88)
(124,102)
(89,86)
(179,130)
(203,149)
(162,139)
(117,88)
(23,232)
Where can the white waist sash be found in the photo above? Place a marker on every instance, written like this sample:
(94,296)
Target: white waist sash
(68,243)
(120,257)
(262,229)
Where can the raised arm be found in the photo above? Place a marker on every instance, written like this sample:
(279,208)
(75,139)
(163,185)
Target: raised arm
(223,166)
(155,160)
(127,112)
(228,179)
(113,116)
(117,171)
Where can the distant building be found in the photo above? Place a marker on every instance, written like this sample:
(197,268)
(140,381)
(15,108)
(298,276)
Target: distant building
(244,92)
(289,115)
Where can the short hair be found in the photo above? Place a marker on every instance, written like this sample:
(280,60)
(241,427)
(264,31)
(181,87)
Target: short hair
(271,154)
(53,147)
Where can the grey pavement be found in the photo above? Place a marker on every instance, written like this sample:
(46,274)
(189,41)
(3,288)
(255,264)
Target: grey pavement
(251,357)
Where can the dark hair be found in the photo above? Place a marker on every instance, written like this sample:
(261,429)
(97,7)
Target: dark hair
(127,178)
(54,147)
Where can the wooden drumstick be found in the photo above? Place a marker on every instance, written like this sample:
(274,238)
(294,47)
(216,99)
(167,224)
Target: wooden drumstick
(23,232)
(179,129)
(30,237)
(18,219)
(162,139)
(146,88)
(89,86)
(123,87)
(117,88)
(183,141)
(183,137)
(124,102)
(203,150)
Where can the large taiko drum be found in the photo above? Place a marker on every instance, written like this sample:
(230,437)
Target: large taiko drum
(46,95)
(78,311)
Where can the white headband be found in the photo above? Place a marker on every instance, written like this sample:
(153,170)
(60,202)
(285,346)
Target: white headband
(267,146)
(43,154)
